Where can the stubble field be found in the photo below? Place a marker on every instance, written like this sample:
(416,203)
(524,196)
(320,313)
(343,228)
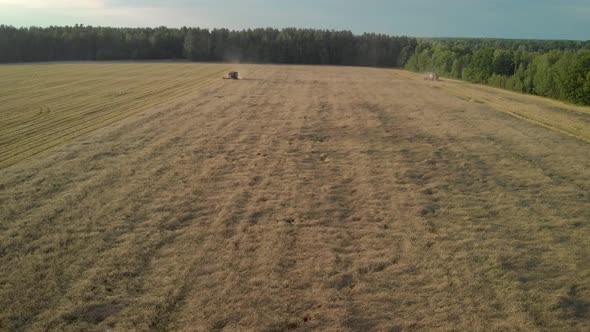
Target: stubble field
(156,196)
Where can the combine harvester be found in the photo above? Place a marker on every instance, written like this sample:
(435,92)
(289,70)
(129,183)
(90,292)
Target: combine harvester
(431,77)
(232,75)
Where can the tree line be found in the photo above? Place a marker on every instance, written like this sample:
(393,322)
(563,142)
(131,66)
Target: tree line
(305,46)
(529,45)
(556,69)
(558,74)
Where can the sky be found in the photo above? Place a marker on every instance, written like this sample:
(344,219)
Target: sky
(530,19)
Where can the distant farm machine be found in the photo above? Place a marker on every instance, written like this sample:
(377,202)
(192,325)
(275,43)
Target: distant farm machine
(431,77)
(232,75)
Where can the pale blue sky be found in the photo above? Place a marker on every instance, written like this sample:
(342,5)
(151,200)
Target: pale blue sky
(538,19)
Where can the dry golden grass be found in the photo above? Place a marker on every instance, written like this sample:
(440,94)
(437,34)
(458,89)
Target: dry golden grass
(552,114)
(42,106)
(303,198)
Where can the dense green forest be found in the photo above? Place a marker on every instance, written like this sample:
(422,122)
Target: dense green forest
(558,74)
(529,45)
(291,45)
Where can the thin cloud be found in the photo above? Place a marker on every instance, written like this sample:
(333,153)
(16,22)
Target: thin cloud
(539,19)
(56,4)
(577,9)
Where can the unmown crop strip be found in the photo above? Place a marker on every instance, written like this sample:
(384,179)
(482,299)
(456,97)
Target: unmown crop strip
(102,117)
(46,86)
(81,124)
(47,96)
(67,107)
(104,122)
(73,114)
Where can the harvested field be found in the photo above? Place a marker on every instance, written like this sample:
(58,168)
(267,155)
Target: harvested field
(45,105)
(301,198)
